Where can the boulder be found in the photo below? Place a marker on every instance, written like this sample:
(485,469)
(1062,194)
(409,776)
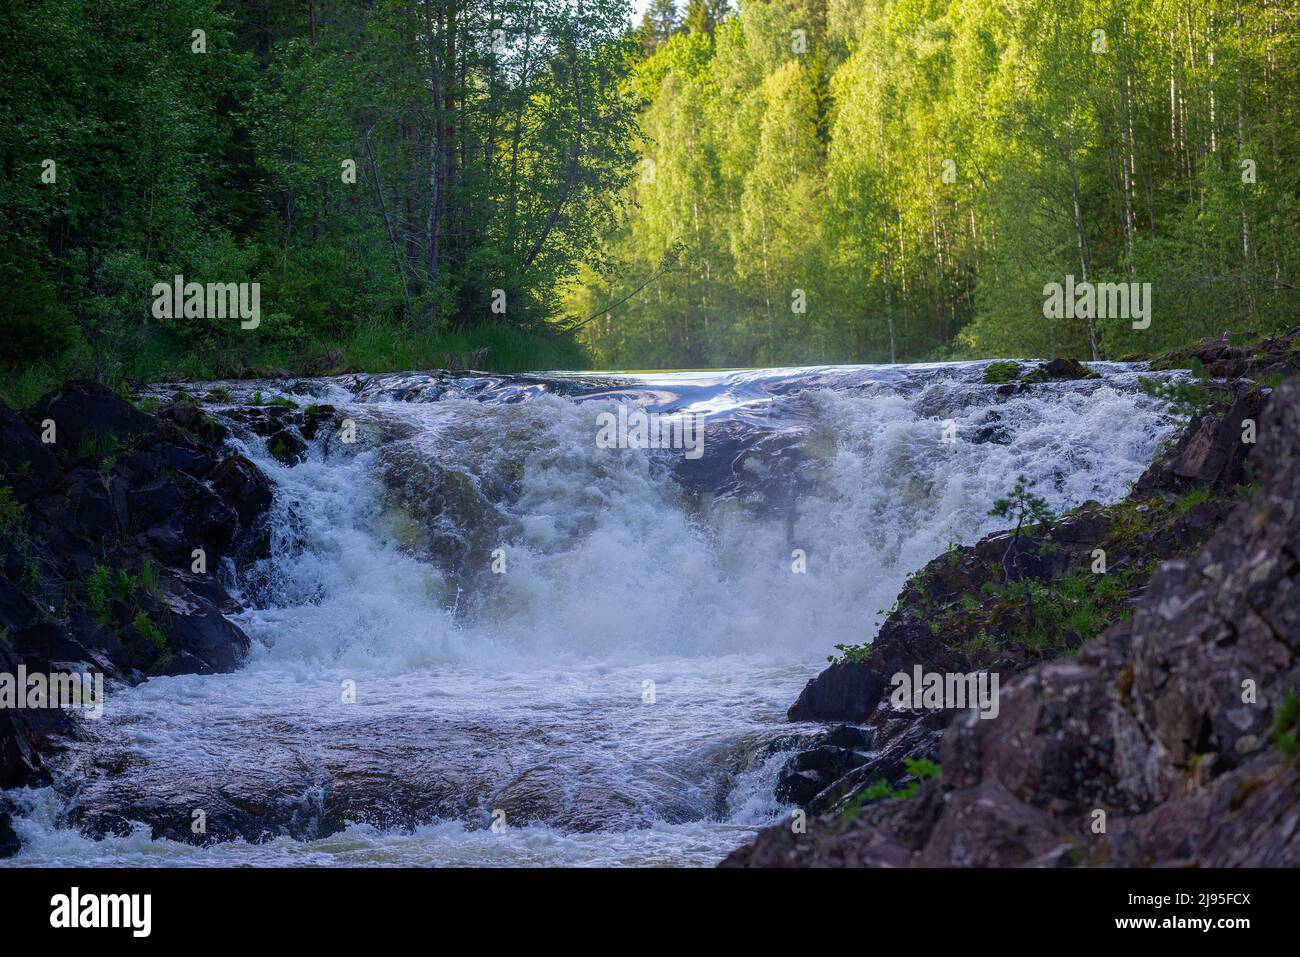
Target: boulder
(287,447)
(243,484)
(846,691)
(83,409)
(26,464)
(1059,370)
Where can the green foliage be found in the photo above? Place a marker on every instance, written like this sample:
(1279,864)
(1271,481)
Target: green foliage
(1183,397)
(903,188)
(924,169)
(99,591)
(148,630)
(149,581)
(124,586)
(374,181)
(921,769)
(1286,727)
(31,577)
(1191,499)
(857,654)
(998,373)
(1022,506)
(12,516)
(35,323)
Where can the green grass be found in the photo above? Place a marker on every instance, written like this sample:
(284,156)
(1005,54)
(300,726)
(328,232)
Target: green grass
(1192,499)
(145,626)
(149,578)
(99,591)
(921,769)
(490,348)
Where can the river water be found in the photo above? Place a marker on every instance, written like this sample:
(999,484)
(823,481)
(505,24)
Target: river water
(589,646)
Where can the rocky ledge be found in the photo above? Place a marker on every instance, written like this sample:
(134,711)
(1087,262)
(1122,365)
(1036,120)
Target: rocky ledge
(114,523)
(1147,713)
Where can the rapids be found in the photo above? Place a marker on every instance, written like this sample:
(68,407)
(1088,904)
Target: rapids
(612,683)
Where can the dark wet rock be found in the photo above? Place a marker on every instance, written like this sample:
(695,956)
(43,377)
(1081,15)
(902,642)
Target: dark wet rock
(243,484)
(846,691)
(1211,452)
(1165,721)
(197,628)
(314,418)
(88,411)
(990,430)
(97,562)
(1272,357)
(1059,370)
(810,772)
(27,464)
(820,760)
(287,447)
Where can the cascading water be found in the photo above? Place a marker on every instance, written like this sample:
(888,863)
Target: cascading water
(596,642)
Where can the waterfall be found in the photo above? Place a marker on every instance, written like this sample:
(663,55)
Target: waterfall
(589,647)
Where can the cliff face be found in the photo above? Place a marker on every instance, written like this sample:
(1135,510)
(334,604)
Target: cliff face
(1168,739)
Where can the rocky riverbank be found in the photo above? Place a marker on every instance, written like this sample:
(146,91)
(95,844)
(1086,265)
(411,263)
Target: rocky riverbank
(114,523)
(1147,654)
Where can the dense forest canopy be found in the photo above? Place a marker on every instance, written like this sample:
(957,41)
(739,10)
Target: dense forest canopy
(387,167)
(849,180)
(528,183)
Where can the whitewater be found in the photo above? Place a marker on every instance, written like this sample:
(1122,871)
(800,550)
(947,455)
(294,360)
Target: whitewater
(481,639)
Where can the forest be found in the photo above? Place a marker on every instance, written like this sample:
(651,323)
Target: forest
(899,180)
(513,184)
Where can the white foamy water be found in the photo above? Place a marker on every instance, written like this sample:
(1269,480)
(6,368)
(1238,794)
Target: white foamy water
(613,689)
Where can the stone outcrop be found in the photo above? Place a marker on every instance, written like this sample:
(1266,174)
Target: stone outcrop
(99,528)
(1169,739)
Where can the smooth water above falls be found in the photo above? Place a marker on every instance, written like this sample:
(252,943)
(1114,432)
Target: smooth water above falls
(524,691)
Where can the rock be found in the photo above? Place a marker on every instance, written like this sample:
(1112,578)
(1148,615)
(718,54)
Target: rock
(1059,370)
(26,464)
(88,410)
(193,626)
(119,491)
(1211,452)
(287,447)
(189,461)
(847,691)
(809,773)
(244,485)
(1164,721)
(192,420)
(314,418)
(990,430)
